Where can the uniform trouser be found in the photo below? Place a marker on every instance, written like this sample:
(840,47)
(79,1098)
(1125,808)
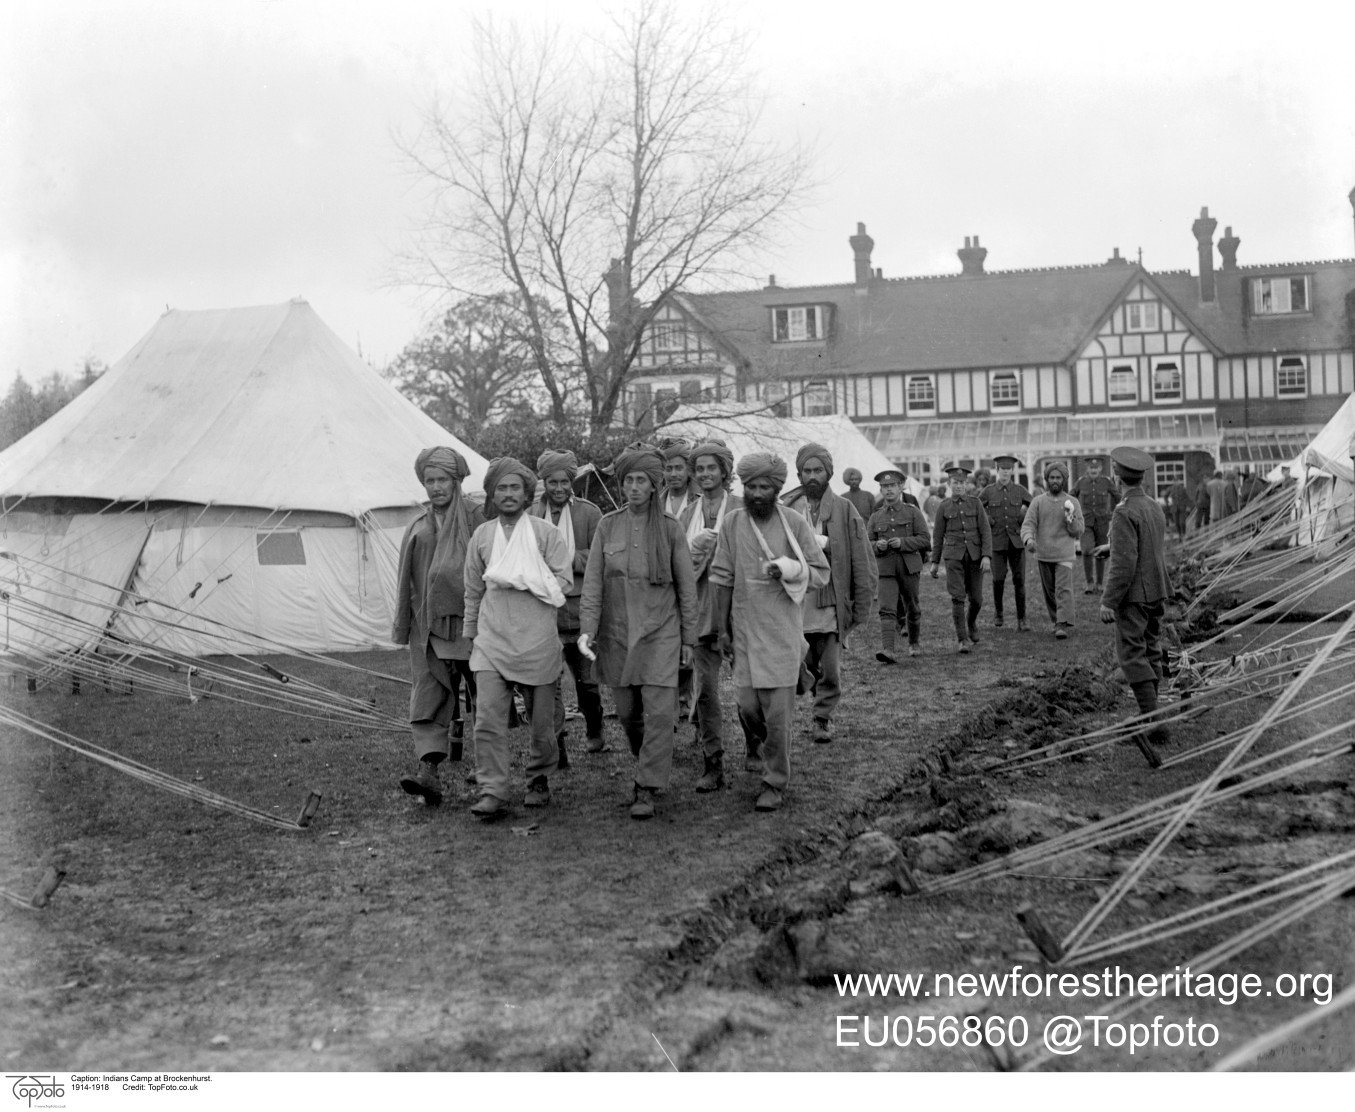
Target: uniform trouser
(1096,532)
(449,677)
(1056,582)
(900,587)
(1138,632)
(1201,517)
(1014,559)
(823,658)
(492,747)
(590,702)
(706,713)
(647,713)
(1179,519)
(767,713)
(964,581)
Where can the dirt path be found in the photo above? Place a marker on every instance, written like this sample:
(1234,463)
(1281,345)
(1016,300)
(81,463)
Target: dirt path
(392,937)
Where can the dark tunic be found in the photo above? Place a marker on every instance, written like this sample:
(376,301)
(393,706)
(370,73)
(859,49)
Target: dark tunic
(1006,506)
(961,529)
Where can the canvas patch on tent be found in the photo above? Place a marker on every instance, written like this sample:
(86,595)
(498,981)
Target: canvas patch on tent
(281,548)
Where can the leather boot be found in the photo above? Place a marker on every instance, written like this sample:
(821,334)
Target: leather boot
(887,635)
(713,778)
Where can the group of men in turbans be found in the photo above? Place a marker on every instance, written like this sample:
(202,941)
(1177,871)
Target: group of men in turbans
(684,577)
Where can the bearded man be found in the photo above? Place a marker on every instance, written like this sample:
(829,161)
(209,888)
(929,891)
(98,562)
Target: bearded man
(577,519)
(712,464)
(517,571)
(429,611)
(847,599)
(766,561)
(1050,531)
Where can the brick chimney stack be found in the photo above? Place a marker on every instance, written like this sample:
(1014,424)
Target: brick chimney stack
(862,245)
(619,306)
(972,256)
(1228,248)
(1204,238)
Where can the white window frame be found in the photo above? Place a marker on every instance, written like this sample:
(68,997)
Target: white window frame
(793,324)
(1166,474)
(1169,399)
(1146,321)
(1291,363)
(819,399)
(1133,373)
(1274,296)
(918,410)
(1012,405)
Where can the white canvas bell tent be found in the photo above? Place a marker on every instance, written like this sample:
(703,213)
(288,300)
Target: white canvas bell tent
(1325,494)
(238,482)
(759,431)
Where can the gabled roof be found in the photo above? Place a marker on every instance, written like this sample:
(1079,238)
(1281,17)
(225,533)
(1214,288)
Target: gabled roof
(1016,318)
(262,406)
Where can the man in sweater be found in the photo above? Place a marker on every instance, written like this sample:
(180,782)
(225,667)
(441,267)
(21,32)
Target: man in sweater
(516,574)
(1137,587)
(1051,529)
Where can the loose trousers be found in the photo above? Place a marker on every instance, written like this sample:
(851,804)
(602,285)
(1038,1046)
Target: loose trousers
(1056,582)
(1015,560)
(493,750)
(706,713)
(647,713)
(439,684)
(590,702)
(766,713)
(823,659)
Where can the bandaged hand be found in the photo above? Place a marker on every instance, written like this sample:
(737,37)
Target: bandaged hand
(585,644)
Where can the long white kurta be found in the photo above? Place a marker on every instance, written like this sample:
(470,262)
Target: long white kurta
(768,625)
(515,632)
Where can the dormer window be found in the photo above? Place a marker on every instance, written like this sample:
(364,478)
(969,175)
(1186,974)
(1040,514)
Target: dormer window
(668,335)
(1279,295)
(1140,316)
(805,322)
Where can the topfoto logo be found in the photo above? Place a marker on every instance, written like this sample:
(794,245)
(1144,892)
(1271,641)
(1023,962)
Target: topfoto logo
(31,1087)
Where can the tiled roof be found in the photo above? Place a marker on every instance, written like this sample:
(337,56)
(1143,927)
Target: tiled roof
(1011,318)
(1017,318)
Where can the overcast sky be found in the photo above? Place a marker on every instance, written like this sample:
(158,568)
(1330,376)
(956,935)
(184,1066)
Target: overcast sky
(240,153)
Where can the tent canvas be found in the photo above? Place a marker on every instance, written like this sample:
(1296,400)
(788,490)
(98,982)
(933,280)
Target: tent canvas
(1325,494)
(241,469)
(755,430)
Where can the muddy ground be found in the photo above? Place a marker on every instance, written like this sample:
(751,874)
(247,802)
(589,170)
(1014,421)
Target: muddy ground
(390,936)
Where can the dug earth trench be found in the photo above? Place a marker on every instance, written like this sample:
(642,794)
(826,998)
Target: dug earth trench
(396,937)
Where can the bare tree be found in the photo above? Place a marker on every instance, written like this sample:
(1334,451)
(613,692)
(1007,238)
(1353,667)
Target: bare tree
(473,366)
(601,177)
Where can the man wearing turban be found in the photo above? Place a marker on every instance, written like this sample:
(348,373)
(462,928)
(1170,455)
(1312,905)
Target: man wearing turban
(766,560)
(577,519)
(516,574)
(712,465)
(679,491)
(639,607)
(848,599)
(429,610)
(1052,526)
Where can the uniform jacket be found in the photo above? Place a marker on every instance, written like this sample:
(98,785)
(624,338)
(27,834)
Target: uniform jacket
(1137,569)
(1097,497)
(961,526)
(585,517)
(1006,508)
(854,582)
(910,526)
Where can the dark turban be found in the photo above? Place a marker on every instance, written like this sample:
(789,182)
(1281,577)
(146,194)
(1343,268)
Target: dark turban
(717,448)
(649,463)
(550,461)
(500,469)
(449,459)
(762,465)
(814,451)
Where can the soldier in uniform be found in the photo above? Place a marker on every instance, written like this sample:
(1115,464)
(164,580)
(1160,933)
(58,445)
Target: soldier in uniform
(1096,495)
(898,534)
(962,538)
(1006,501)
(1137,588)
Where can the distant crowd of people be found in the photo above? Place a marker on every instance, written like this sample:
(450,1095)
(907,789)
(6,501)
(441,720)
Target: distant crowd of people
(497,598)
